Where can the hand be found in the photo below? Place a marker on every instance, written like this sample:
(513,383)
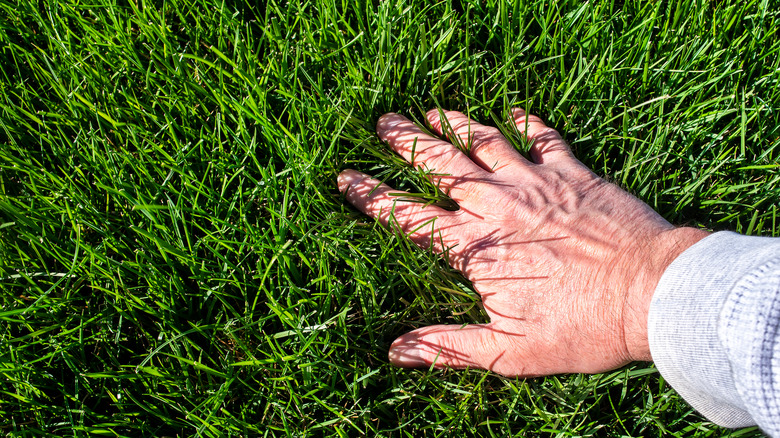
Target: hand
(565,263)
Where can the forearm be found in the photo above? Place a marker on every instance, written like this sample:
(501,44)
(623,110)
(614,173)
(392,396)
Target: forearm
(707,340)
(667,247)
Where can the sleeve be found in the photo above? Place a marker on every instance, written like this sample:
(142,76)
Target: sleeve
(714,329)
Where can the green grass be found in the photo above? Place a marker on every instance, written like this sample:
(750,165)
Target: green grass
(175,258)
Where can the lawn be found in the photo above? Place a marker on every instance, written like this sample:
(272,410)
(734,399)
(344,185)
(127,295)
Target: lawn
(175,258)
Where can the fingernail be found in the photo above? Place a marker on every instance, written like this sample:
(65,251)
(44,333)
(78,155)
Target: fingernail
(388,121)
(406,358)
(348,178)
(404,354)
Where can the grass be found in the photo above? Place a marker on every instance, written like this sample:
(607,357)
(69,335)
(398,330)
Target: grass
(175,258)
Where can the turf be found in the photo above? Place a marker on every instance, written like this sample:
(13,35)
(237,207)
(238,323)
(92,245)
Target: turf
(175,258)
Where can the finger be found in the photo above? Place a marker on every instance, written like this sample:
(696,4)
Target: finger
(450,169)
(380,201)
(451,346)
(486,145)
(546,143)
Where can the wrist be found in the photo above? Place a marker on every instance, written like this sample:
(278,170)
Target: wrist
(655,258)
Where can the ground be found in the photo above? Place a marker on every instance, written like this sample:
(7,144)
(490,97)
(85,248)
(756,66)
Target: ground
(175,258)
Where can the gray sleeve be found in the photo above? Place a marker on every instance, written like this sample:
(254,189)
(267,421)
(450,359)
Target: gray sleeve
(714,329)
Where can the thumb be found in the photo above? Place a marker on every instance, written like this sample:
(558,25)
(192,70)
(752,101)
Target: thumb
(454,346)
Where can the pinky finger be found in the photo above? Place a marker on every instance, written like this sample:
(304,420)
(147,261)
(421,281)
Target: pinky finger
(547,144)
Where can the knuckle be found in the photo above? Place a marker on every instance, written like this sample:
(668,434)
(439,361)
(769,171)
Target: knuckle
(486,136)
(544,133)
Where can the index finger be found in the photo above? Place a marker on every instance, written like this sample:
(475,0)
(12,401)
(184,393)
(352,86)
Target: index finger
(423,224)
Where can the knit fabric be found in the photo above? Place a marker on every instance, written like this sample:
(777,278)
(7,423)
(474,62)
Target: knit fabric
(749,328)
(714,327)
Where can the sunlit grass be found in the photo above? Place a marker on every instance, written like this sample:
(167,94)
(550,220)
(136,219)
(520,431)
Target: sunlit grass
(175,258)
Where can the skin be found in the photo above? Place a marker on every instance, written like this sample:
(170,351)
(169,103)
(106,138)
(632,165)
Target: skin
(565,262)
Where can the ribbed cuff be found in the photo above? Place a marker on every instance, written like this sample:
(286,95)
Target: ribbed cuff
(683,322)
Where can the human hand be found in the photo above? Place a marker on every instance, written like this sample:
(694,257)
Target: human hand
(565,262)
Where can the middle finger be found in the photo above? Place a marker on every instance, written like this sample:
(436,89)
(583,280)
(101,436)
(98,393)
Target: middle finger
(450,169)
